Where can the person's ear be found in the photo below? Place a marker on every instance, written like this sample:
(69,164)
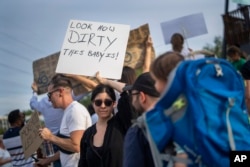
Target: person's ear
(142,97)
(114,104)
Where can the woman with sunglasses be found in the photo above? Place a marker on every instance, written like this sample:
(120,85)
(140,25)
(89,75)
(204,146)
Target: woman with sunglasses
(102,143)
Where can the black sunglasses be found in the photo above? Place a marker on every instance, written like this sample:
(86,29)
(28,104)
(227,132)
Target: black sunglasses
(49,94)
(107,102)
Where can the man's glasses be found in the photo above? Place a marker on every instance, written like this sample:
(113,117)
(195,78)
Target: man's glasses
(49,94)
(107,102)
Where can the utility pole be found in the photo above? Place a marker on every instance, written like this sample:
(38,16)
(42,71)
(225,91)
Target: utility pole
(224,44)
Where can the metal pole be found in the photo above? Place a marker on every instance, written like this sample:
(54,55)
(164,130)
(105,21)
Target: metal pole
(224,45)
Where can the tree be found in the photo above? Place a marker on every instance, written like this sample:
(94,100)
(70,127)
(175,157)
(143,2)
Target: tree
(86,100)
(216,48)
(2,130)
(27,112)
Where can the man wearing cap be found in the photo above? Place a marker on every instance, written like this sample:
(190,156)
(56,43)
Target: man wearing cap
(137,151)
(136,147)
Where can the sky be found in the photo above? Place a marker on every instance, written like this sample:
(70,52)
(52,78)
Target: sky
(33,29)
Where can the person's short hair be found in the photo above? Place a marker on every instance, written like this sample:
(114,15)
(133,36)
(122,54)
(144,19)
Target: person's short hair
(144,83)
(14,116)
(177,41)
(164,64)
(233,50)
(177,36)
(60,80)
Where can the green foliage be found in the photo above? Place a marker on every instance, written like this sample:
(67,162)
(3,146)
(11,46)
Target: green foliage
(86,100)
(2,130)
(138,71)
(216,47)
(27,112)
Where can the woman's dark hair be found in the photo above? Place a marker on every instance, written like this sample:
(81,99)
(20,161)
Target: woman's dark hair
(128,75)
(101,88)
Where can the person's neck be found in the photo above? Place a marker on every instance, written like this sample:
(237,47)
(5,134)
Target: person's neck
(67,103)
(14,126)
(151,104)
(102,121)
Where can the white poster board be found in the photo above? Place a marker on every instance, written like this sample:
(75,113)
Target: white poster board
(189,26)
(89,47)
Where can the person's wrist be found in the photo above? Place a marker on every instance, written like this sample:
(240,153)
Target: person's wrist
(105,81)
(109,82)
(48,161)
(52,138)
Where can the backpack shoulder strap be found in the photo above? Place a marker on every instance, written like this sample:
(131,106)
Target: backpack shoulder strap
(158,157)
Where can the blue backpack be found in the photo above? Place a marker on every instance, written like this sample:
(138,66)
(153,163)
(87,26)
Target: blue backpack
(203,110)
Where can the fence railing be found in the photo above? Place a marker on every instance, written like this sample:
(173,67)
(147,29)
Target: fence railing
(237,26)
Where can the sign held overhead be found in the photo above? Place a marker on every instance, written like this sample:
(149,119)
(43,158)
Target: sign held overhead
(93,46)
(189,26)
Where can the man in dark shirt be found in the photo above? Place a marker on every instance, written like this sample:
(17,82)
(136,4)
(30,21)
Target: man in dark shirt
(12,139)
(136,147)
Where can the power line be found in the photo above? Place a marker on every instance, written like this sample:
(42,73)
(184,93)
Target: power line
(14,68)
(4,81)
(22,42)
(15,54)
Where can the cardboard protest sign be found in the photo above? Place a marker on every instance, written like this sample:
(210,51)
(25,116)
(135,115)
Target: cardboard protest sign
(44,69)
(135,52)
(30,135)
(89,47)
(189,26)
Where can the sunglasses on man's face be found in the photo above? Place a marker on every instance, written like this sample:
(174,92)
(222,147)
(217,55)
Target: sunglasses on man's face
(49,94)
(107,102)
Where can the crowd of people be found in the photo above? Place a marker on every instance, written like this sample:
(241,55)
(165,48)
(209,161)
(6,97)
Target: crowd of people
(104,134)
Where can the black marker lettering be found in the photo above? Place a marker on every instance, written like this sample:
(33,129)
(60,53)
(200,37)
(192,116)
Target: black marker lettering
(92,35)
(100,39)
(110,43)
(83,36)
(73,38)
